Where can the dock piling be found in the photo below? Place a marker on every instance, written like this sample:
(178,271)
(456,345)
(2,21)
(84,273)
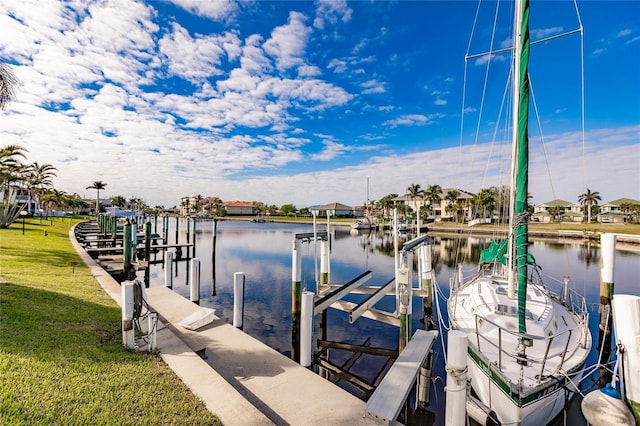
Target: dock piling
(168,269)
(306,329)
(194,291)
(296,294)
(607,261)
(456,387)
(126,252)
(238,299)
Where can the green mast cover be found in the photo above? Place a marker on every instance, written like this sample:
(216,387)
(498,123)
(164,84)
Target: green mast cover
(522,168)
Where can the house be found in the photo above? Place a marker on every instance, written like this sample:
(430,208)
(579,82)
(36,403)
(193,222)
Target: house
(563,210)
(334,210)
(239,208)
(443,209)
(614,211)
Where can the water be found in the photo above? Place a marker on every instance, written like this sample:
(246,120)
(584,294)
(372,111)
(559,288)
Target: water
(263,251)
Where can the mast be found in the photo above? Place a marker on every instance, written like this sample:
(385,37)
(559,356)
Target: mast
(520,249)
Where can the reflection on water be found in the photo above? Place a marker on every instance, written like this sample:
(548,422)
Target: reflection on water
(263,252)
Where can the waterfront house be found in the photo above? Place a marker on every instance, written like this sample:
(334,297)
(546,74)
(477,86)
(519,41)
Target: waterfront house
(444,209)
(241,208)
(335,210)
(615,211)
(561,210)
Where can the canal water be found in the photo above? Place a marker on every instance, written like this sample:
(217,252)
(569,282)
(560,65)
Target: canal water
(263,252)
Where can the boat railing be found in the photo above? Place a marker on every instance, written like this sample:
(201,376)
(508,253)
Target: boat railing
(524,339)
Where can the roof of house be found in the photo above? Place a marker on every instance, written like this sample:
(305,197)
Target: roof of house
(558,202)
(334,206)
(238,204)
(621,201)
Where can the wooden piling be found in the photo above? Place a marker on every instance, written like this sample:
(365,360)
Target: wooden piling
(177,228)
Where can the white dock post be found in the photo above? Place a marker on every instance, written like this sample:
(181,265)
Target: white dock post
(194,291)
(128,332)
(306,329)
(456,388)
(296,292)
(324,262)
(238,299)
(607,264)
(152,329)
(168,269)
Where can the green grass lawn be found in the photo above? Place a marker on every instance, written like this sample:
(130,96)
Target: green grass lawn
(61,354)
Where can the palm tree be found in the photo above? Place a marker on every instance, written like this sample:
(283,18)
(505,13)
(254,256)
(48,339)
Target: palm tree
(386,204)
(487,200)
(12,182)
(433,193)
(39,179)
(452,198)
(97,185)
(119,201)
(8,84)
(588,199)
(415,192)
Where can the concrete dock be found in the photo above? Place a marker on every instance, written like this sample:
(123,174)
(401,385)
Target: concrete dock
(241,380)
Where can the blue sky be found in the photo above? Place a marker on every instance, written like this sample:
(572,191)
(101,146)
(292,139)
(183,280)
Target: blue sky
(303,102)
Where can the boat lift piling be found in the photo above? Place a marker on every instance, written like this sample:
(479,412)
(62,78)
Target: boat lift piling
(296,295)
(126,255)
(213,255)
(607,261)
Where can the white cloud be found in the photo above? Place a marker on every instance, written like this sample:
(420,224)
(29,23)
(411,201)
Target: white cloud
(539,33)
(330,151)
(331,11)
(288,42)
(412,120)
(373,86)
(218,10)
(199,57)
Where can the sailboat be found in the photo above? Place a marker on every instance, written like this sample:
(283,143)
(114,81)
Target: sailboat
(368,221)
(526,346)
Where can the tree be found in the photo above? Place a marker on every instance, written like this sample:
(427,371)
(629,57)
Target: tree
(386,204)
(288,209)
(487,201)
(97,185)
(415,192)
(433,193)
(8,85)
(556,213)
(119,201)
(588,199)
(39,179)
(452,199)
(12,181)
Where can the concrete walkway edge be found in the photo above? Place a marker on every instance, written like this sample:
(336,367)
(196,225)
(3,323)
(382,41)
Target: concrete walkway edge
(217,394)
